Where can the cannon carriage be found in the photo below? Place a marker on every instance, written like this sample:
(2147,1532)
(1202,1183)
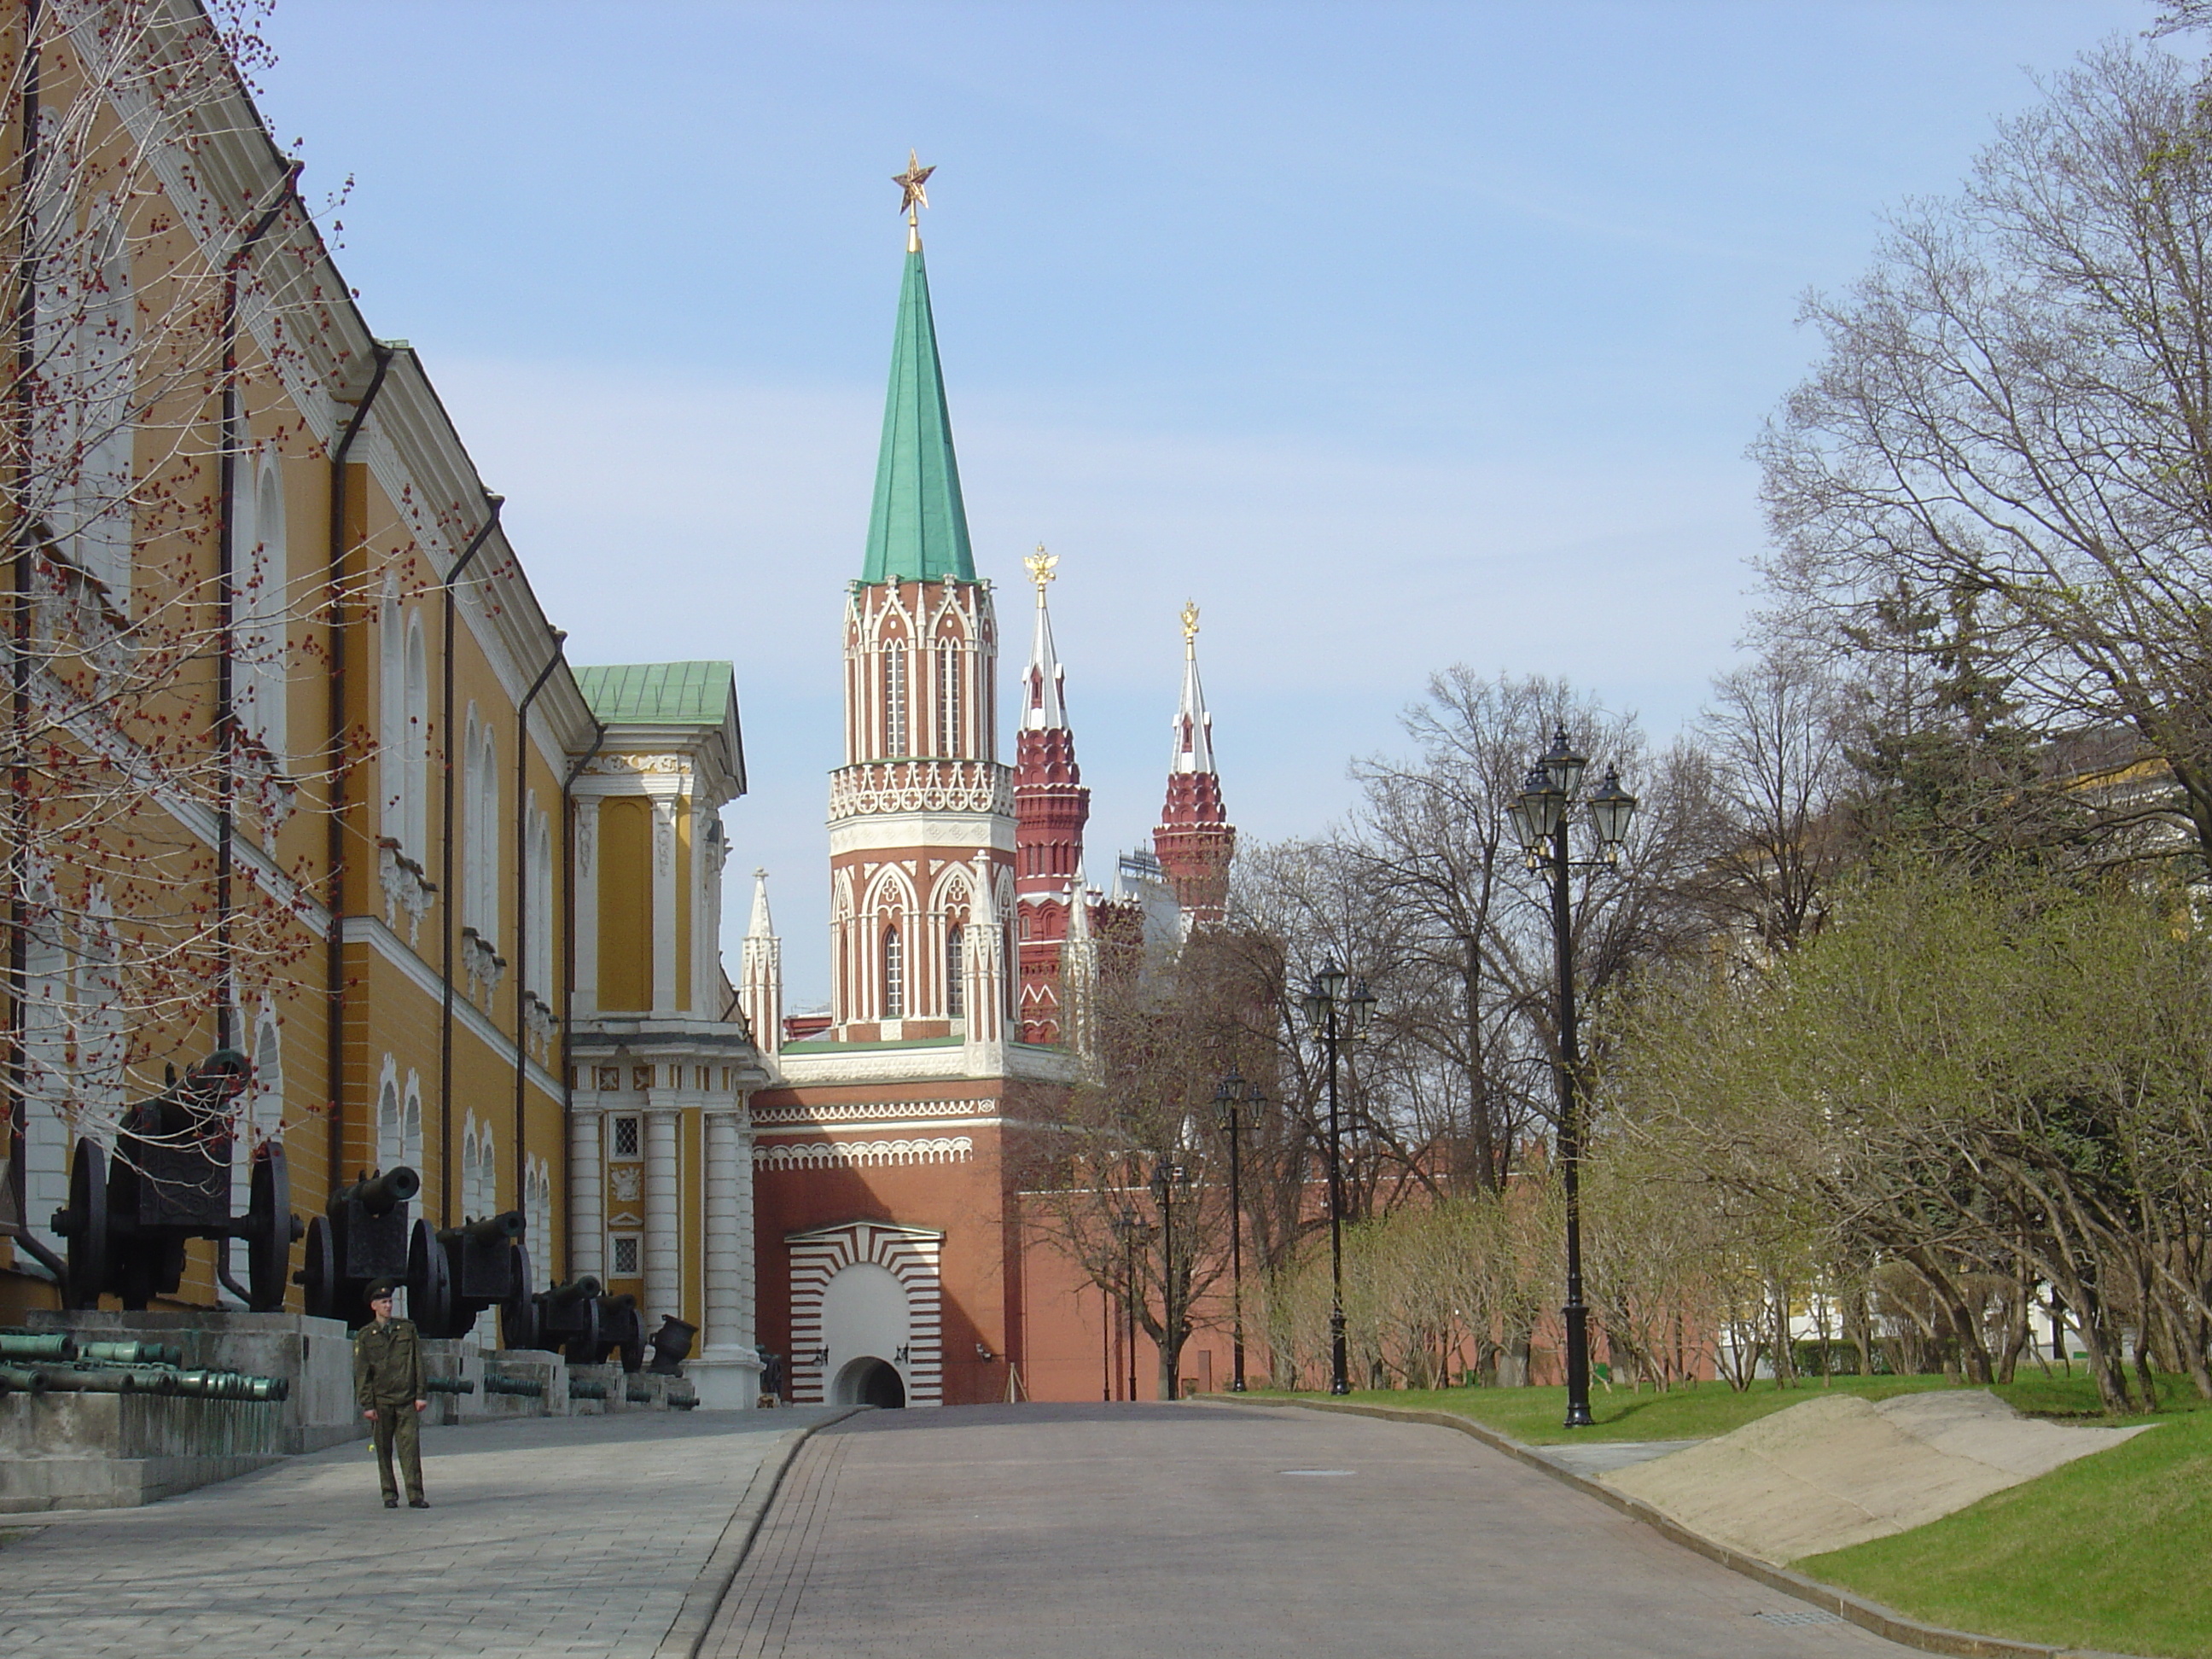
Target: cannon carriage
(580,1321)
(130,1215)
(364,1234)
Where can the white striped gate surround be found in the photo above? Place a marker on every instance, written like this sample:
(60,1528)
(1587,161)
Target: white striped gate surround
(911,1255)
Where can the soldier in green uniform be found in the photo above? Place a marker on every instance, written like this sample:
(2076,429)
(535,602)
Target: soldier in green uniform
(387,1382)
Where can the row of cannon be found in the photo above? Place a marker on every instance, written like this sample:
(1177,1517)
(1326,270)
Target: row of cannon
(50,1362)
(130,1217)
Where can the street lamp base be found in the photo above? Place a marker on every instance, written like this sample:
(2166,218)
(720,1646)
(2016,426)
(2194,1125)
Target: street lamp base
(1578,1417)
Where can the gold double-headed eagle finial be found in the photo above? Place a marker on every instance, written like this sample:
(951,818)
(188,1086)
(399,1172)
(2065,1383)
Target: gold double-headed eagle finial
(1039,564)
(1189,620)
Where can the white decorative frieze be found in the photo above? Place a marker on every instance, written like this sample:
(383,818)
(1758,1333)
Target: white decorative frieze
(621,765)
(863,1154)
(804,1115)
(921,786)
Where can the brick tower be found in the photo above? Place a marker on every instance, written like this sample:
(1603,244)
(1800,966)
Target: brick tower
(1051,807)
(1195,840)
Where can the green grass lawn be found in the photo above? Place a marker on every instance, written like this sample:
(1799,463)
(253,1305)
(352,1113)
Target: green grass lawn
(1535,1416)
(2107,1553)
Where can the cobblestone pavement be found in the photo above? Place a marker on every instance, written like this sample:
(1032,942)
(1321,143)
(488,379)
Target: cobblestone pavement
(1070,1532)
(548,1535)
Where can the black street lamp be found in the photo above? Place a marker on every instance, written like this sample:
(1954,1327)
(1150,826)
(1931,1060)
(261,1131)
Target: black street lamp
(1541,814)
(1133,1231)
(1170,1180)
(1233,1093)
(1337,1010)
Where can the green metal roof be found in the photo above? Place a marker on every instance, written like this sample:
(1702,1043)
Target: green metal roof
(659,693)
(918,528)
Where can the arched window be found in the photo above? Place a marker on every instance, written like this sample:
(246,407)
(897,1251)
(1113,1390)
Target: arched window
(895,733)
(411,1124)
(955,982)
(392,712)
(390,1132)
(948,700)
(471,1207)
(894,974)
(415,740)
(264,612)
(480,832)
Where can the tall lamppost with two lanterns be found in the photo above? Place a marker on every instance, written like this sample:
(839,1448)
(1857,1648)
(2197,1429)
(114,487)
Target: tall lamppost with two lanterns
(1541,813)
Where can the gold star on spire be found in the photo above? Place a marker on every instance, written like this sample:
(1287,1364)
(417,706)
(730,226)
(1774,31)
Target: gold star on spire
(914,196)
(1189,620)
(1039,564)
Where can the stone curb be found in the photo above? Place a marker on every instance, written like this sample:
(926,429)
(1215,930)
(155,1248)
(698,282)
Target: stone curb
(704,1599)
(1868,1615)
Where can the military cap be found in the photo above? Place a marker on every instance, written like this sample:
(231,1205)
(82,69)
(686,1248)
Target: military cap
(381,1288)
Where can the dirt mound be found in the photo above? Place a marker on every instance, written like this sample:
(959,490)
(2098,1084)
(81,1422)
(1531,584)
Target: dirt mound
(1837,1470)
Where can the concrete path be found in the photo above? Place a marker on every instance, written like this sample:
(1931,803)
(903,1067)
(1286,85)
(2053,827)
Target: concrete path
(549,1535)
(1126,1532)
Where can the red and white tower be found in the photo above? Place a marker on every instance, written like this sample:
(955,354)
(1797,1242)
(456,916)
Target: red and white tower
(1051,807)
(1195,840)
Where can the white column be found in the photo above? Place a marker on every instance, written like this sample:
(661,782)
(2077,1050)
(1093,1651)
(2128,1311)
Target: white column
(726,1372)
(586,1183)
(664,1285)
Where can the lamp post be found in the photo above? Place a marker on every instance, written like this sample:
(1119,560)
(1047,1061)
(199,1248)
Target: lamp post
(1232,1093)
(1133,1232)
(1541,813)
(1170,1180)
(1337,1010)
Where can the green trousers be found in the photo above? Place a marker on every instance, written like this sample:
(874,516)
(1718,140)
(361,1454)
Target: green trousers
(400,1425)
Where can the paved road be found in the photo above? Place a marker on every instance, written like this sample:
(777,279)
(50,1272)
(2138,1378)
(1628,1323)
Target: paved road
(552,1535)
(1103,1531)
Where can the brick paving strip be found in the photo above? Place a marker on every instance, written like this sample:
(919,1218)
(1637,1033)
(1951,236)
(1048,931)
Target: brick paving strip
(572,1535)
(1574,1467)
(1128,1532)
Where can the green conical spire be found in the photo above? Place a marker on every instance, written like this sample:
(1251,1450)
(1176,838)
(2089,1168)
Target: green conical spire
(918,530)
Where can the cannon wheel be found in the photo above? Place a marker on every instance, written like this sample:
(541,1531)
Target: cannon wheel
(318,1269)
(267,1228)
(89,1234)
(429,1283)
(518,1314)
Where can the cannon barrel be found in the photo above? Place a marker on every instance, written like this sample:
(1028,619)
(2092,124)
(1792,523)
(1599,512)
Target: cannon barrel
(449,1385)
(530,1387)
(581,1289)
(21,1379)
(637,1394)
(131,1353)
(37,1344)
(624,1302)
(579,1390)
(379,1194)
(492,1229)
(157,1379)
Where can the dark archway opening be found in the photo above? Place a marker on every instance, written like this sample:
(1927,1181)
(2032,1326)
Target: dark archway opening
(882,1386)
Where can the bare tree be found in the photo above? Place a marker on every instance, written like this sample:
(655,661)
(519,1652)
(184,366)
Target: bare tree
(2002,465)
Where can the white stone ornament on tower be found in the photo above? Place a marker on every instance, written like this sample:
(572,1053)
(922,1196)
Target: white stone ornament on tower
(760,973)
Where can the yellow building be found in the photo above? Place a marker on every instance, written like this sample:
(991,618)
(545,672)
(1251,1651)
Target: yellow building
(660,1159)
(298,767)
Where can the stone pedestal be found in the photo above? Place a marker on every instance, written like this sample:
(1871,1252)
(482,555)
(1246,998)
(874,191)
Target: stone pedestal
(454,1358)
(107,1450)
(315,1356)
(608,1377)
(727,1379)
(536,1364)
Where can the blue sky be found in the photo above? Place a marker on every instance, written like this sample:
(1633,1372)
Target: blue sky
(1396,334)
